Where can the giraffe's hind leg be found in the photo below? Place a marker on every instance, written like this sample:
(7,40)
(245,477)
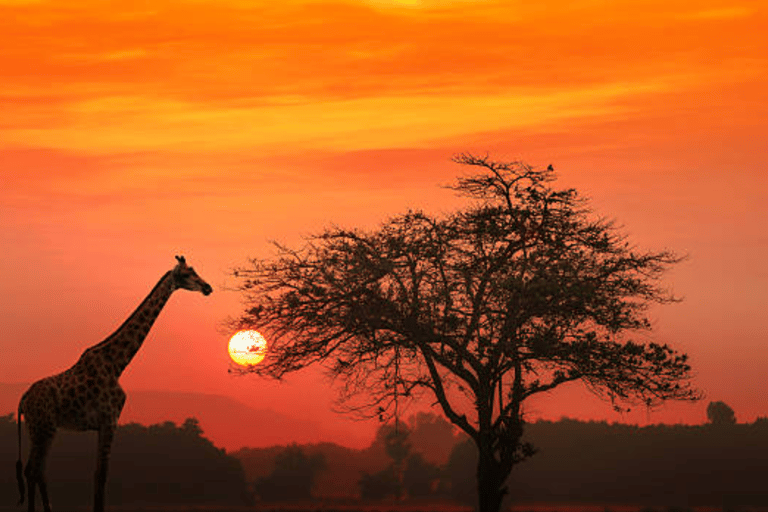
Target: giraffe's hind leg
(41,438)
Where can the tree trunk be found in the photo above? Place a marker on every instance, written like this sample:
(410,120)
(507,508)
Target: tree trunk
(490,482)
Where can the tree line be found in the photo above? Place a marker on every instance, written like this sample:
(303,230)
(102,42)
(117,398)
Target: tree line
(717,464)
(157,464)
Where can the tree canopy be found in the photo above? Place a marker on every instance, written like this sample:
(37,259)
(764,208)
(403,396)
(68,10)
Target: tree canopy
(720,413)
(292,477)
(521,291)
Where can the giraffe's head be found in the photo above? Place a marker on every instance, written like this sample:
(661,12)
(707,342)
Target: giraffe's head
(185,277)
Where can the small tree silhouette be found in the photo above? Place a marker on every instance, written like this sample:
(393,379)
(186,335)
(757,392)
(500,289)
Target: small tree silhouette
(458,472)
(293,476)
(420,477)
(432,436)
(407,473)
(380,485)
(389,481)
(192,427)
(720,413)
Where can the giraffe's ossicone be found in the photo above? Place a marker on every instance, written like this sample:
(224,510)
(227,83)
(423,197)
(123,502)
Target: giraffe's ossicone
(88,395)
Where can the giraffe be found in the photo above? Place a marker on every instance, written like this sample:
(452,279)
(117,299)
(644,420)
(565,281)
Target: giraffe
(88,395)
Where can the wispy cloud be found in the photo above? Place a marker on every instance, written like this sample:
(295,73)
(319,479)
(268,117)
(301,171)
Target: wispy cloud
(232,76)
(722,13)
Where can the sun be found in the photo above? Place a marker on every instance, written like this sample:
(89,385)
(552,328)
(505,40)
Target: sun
(247,348)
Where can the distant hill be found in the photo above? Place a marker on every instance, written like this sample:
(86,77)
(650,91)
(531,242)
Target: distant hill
(228,422)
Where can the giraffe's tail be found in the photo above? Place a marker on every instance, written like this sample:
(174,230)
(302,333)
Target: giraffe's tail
(19,466)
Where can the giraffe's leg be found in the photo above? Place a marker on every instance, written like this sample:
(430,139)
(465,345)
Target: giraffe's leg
(31,472)
(35,472)
(43,485)
(106,434)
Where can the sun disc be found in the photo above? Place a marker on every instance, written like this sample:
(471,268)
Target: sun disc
(247,348)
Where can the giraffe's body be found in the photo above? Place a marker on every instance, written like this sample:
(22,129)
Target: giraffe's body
(88,395)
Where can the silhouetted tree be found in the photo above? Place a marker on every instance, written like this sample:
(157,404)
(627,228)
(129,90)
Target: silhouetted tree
(192,427)
(520,292)
(458,472)
(393,440)
(379,485)
(177,465)
(292,477)
(398,448)
(420,477)
(720,413)
(432,436)
(407,472)
(396,443)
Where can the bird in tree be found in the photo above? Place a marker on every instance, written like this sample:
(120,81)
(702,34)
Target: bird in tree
(523,290)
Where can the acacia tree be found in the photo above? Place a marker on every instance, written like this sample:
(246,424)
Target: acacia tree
(523,290)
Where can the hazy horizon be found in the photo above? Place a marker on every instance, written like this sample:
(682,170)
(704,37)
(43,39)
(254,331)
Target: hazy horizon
(233,424)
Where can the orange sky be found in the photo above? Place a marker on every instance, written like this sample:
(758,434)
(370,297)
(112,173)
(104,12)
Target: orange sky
(129,134)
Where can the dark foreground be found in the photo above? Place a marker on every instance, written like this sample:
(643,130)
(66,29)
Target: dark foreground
(325,506)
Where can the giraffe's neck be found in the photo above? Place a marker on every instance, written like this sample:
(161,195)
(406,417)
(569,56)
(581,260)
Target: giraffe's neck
(117,351)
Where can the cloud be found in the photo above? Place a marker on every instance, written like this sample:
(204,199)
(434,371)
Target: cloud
(218,76)
(723,13)
(116,124)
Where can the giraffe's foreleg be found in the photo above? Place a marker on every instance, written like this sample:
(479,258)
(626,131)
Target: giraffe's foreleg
(106,434)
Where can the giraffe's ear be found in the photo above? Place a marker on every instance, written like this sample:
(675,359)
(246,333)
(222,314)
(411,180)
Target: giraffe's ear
(181,260)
